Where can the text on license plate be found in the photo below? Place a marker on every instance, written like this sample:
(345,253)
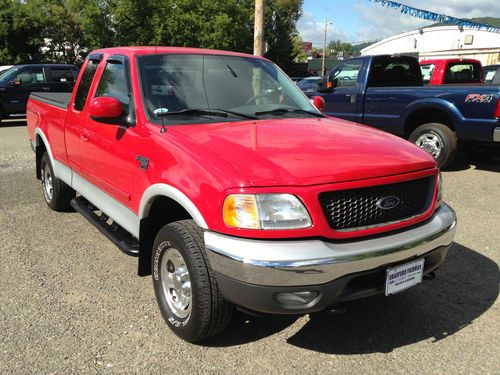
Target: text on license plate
(404,276)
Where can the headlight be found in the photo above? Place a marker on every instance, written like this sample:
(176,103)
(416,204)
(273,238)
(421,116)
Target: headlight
(265,211)
(439,187)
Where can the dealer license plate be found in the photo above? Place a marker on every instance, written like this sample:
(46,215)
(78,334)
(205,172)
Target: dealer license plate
(404,276)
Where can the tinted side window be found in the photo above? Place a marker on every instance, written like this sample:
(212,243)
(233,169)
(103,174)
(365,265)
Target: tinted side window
(84,86)
(62,75)
(29,76)
(394,72)
(114,84)
(462,73)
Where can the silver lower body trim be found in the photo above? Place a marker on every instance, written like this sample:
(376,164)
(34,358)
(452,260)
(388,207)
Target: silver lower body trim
(496,134)
(110,206)
(311,262)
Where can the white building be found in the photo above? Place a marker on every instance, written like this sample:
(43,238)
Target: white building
(440,42)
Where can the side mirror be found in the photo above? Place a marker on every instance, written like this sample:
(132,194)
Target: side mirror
(319,103)
(16,82)
(327,85)
(105,108)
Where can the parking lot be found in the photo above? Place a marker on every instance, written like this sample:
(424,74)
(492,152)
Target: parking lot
(70,301)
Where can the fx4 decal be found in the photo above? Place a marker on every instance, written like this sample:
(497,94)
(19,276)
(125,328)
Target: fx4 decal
(478,98)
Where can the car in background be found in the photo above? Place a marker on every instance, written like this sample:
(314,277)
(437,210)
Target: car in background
(309,84)
(492,74)
(18,82)
(297,79)
(452,71)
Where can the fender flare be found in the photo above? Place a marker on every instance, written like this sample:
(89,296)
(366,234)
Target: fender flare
(161,189)
(435,103)
(39,132)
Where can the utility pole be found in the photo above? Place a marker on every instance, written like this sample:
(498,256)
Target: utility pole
(324,48)
(258,35)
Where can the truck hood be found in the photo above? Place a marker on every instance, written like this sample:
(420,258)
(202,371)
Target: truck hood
(307,151)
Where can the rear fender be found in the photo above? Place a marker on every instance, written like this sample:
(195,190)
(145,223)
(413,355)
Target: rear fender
(434,103)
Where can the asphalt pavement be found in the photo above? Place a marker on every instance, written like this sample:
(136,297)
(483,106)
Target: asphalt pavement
(71,303)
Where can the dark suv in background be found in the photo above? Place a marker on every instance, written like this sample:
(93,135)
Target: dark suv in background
(18,82)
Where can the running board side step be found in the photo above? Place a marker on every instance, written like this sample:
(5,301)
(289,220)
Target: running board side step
(116,234)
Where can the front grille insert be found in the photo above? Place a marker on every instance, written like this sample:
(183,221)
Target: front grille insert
(356,209)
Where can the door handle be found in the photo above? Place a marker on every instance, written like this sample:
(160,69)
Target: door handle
(45,88)
(84,135)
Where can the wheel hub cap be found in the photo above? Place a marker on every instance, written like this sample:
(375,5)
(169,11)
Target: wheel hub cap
(176,282)
(431,143)
(47,184)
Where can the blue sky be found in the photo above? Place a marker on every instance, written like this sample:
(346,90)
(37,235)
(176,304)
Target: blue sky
(364,20)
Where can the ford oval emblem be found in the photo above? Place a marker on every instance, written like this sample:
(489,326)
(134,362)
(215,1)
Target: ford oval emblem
(386,203)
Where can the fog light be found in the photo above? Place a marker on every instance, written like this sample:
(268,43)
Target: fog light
(296,299)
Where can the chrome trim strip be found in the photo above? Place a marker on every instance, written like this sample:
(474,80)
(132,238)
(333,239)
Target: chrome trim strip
(496,134)
(169,191)
(310,262)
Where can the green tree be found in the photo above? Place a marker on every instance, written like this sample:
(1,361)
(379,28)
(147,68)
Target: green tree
(298,50)
(20,37)
(338,46)
(280,29)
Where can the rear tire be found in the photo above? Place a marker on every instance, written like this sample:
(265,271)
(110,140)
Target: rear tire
(56,193)
(185,287)
(438,140)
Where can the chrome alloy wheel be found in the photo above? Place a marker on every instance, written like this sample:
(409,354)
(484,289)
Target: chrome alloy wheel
(48,190)
(176,282)
(431,143)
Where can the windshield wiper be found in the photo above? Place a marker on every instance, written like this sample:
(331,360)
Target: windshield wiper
(284,111)
(207,112)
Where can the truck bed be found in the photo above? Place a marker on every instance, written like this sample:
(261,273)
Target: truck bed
(58,99)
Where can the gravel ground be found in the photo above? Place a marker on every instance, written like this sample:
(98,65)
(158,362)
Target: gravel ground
(71,303)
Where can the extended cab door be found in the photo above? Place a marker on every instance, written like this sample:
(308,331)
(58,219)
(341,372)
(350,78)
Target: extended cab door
(346,99)
(108,147)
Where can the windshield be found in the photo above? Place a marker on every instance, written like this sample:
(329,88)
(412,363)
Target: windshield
(6,74)
(238,85)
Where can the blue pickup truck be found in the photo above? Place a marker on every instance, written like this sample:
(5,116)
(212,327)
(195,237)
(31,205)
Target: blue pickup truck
(387,92)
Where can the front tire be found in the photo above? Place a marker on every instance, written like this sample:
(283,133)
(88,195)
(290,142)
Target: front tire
(185,287)
(438,140)
(56,193)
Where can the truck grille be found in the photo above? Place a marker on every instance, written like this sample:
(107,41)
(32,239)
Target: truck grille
(353,209)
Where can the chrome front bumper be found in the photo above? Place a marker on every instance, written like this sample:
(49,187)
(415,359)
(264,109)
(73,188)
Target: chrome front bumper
(312,262)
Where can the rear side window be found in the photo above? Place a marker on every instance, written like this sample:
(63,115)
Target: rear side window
(394,72)
(62,75)
(84,86)
(463,72)
(114,84)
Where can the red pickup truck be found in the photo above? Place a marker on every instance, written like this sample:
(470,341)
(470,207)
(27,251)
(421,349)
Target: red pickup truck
(232,189)
(452,71)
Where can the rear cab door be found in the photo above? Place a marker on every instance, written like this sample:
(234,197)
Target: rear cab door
(391,86)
